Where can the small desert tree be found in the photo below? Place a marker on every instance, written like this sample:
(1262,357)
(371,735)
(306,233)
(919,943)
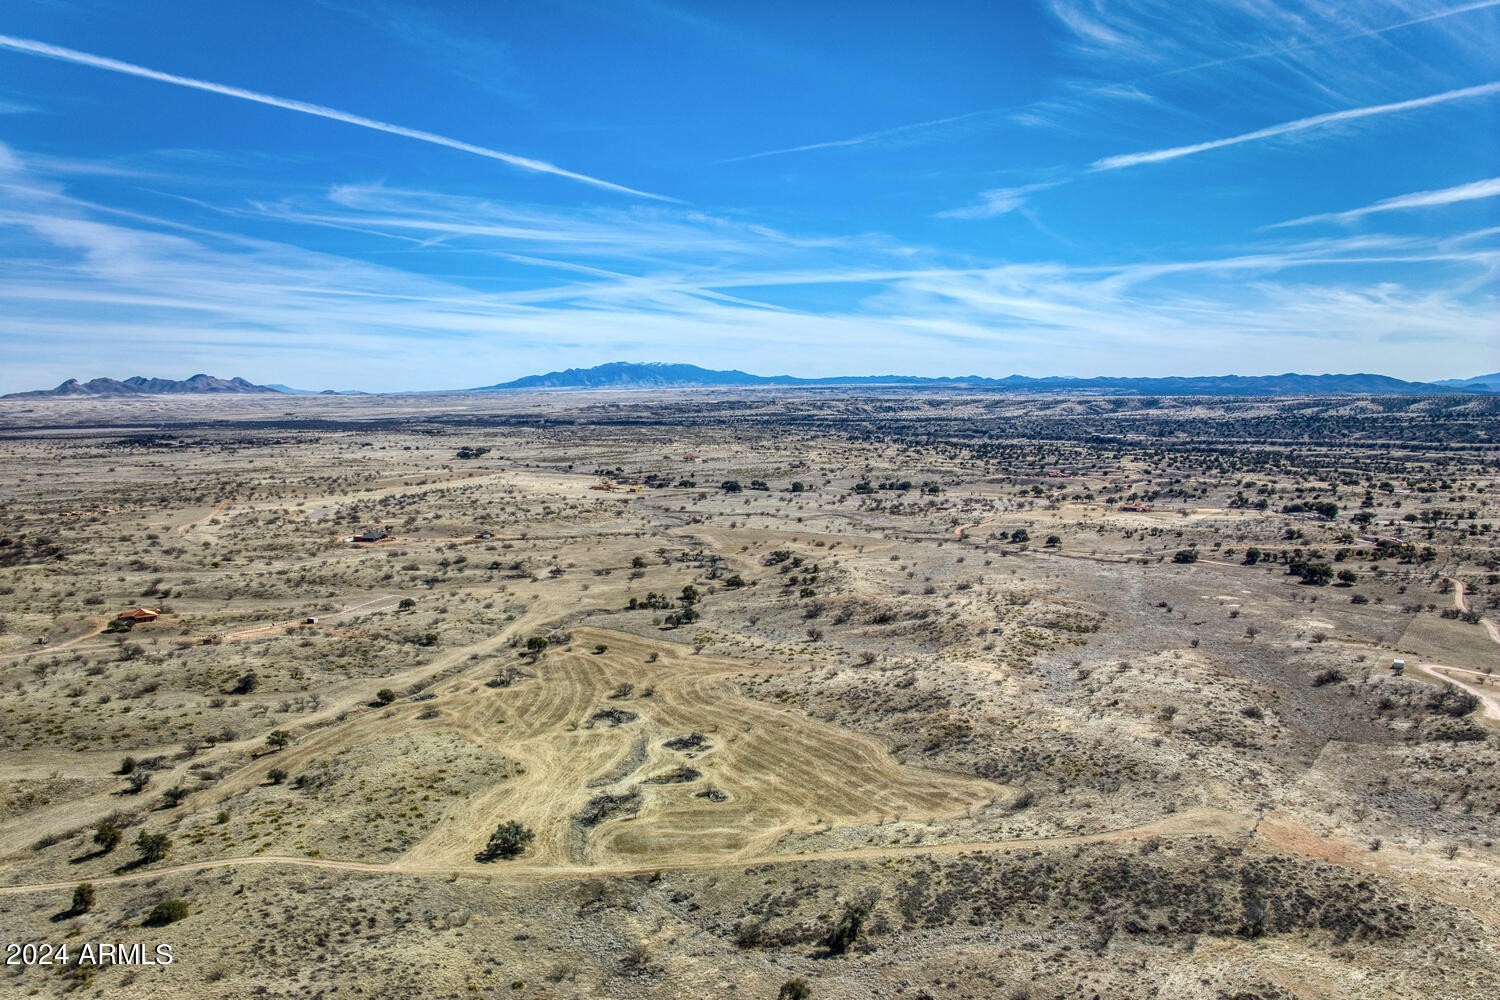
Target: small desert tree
(83,898)
(278,739)
(509,839)
(152,846)
(107,836)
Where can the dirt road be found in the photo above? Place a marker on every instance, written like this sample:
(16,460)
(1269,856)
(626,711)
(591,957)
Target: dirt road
(96,628)
(1192,822)
(219,508)
(1458,594)
(1488,696)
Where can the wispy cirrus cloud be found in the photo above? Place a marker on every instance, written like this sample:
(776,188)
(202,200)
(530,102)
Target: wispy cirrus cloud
(1180,38)
(642,234)
(998,201)
(879,135)
(1151,35)
(1308,46)
(659,283)
(1473,191)
(1310,123)
(35,48)
(447,40)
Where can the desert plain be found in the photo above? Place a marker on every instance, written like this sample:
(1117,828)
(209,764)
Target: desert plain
(832,694)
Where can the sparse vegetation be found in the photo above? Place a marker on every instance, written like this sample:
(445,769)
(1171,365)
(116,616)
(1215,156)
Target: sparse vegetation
(821,713)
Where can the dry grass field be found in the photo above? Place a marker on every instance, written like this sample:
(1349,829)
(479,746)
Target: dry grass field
(796,694)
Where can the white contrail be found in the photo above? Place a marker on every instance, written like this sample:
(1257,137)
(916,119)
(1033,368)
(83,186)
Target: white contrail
(859,140)
(317,110)
(1489,188)
(1332,40)
(1285,128)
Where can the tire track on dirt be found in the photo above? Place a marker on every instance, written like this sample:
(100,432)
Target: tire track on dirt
(219,508)
(1190,823)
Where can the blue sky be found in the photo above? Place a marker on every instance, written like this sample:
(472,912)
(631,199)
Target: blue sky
(389,195)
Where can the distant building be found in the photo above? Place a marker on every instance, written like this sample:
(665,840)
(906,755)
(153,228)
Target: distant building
(1139,508)
(1397,666)
(371,535)
(139,615)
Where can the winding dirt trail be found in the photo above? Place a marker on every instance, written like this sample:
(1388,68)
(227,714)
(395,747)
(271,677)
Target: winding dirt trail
(277,628)
(1192,822)
(1490,699)
(1458,594)
(1461,603)
(219,508)
(96,628)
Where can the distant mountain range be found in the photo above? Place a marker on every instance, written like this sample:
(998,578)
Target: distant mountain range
(142,386)
(623,375)
(314,392)
(1485,383)
(626,375)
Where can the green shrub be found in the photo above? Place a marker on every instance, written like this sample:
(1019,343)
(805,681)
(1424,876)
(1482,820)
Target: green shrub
(168,911)
(83,898)
(152,846)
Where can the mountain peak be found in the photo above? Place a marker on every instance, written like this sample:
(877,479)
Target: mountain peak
(627,375)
